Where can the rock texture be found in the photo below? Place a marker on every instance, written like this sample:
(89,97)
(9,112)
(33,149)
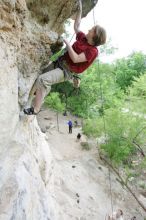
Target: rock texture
(62,9)
(27,29)
(26,173)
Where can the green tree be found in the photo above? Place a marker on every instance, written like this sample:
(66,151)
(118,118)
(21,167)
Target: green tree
(136,96)
(127,69)
(124,134)
(65,90)
(53,101)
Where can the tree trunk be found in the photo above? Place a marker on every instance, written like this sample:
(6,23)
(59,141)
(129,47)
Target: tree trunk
(57,122)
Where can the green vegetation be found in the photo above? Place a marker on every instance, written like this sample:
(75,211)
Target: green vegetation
(127,69)
(112,102)
(54,102)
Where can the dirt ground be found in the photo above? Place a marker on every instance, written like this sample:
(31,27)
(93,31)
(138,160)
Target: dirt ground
(81,180)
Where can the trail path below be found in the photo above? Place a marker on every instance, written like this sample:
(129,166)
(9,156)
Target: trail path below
(82,187)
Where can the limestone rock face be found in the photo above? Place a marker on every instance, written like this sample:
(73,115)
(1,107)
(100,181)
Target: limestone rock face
(27,29)
(26,173)
(58,10)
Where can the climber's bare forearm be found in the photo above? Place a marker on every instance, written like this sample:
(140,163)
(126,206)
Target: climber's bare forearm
(78,18)
(76,58)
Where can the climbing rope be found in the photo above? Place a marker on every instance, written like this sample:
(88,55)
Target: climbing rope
(94,21)
(104,124)
(105,133)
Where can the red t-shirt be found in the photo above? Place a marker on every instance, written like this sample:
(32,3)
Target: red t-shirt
(81,45)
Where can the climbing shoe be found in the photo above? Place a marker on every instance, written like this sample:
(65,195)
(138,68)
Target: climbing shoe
(29,111)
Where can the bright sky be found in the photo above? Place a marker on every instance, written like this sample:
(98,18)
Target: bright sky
(124,21)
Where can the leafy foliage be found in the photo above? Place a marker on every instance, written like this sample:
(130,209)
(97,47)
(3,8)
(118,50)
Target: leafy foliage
(54,102)
(127,69)
(136,96)
(93,126)
(138,87)
(121,130)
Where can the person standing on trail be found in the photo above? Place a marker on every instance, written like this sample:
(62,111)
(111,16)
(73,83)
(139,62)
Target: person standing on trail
(78,137)
(70,126)
(76,60)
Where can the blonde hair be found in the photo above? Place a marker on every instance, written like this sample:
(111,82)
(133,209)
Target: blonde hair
(100,37)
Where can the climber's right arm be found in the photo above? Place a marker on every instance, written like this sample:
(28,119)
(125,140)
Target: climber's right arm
(78,18)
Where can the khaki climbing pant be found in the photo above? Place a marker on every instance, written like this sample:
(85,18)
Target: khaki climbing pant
(50,77)
(46,80)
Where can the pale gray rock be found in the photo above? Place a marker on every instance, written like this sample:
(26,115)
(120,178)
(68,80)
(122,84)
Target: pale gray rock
(27,29)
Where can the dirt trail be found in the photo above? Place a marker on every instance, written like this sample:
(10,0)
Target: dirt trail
(82,189)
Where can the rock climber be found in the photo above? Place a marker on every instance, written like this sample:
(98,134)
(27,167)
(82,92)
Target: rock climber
(76,60)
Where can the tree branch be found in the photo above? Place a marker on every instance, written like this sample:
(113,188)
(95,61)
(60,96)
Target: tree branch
(123,182)
(139,147)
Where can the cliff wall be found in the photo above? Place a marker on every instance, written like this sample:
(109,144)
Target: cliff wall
(27,29)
